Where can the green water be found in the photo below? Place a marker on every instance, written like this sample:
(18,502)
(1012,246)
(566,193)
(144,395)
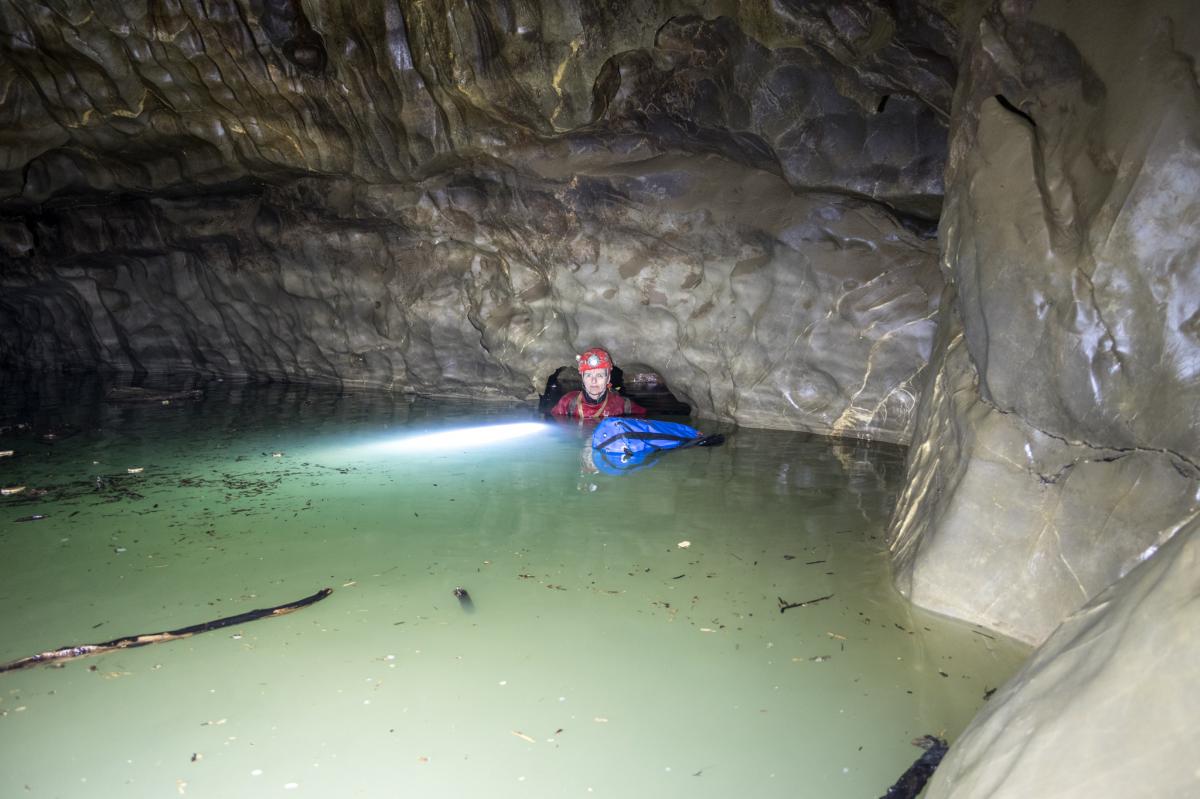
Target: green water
(601,659)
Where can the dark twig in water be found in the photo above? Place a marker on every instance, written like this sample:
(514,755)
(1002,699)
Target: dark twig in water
(789,605)
(132,641)
(912,781)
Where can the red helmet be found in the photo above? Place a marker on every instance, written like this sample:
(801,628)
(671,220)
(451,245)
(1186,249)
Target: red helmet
(595,358)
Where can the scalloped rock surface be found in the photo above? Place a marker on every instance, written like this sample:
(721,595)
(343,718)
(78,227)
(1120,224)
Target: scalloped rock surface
(454,198)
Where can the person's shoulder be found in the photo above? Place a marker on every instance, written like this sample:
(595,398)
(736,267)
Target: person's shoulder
(634,408)
(562,407)
(620,405)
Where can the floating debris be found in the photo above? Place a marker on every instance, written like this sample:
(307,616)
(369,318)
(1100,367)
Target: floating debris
(129,642)
(783,606)
(136,469)
(37,517)
(6,453)
(684,544)
(11,490)
(523,736)
(138,394)
(51,436)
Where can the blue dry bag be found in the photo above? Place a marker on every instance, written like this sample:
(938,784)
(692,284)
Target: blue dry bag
(623,444)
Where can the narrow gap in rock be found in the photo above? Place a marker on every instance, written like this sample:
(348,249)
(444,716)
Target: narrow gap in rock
(1004,101)
(641,383)
(882,104)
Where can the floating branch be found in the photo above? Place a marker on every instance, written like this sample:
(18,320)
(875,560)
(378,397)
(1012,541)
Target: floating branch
(912,781)
(789,605)
(131,641)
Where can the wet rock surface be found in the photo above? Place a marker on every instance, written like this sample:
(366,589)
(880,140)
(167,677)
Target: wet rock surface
(491,295)
(453,198)
(1104,706)
(1015,529)
(1058,437)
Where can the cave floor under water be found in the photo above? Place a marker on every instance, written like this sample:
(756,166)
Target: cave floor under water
(602,657)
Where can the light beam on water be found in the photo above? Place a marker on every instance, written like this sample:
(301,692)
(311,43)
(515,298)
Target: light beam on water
(457,439)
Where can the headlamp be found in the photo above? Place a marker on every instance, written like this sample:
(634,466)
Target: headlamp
(594,358)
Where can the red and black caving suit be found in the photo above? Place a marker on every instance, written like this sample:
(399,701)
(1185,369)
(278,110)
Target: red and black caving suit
(576,405)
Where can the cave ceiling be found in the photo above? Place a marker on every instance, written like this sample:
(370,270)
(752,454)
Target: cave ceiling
(453,197)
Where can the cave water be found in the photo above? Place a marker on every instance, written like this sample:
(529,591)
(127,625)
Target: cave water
(721,623)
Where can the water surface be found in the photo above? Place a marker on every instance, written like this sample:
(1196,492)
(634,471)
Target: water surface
(601,657)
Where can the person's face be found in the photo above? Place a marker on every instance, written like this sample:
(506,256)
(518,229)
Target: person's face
(595,381)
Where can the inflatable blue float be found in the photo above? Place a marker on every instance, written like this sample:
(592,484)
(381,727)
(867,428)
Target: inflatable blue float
(623,444)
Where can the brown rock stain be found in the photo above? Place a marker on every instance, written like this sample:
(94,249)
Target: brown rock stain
(631,268)
(655,297)
(748,266)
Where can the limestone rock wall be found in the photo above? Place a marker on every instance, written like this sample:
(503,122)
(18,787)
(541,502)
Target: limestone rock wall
(1053,484)
(455,197)
(1059,439)
(1008,526)
(502,285)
